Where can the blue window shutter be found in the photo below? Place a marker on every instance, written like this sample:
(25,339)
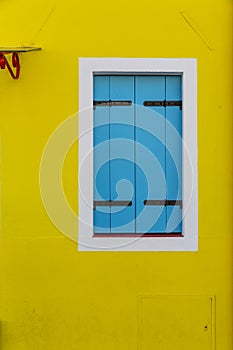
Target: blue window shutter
(101,155)
(150,155)
(137,155)
(122,174)
(174,153)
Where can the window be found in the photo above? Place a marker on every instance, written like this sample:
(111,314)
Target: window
(137,154)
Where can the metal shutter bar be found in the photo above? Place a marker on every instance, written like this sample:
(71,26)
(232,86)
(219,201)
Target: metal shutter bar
(111,103)
(112,204)
(163,202)
(163,103)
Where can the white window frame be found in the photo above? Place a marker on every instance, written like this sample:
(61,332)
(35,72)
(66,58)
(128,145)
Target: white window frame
(88,67)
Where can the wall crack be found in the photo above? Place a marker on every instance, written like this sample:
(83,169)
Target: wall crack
(190,23)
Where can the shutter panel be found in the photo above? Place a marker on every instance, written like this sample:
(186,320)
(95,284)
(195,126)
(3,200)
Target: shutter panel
(122,181)
(150,155)
(174,153)
(101,155)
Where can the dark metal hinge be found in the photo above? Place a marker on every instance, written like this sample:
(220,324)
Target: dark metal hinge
(110,103)
(163,103)
(165,202)
(112,204)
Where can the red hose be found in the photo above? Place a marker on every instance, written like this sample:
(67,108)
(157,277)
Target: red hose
(15,63)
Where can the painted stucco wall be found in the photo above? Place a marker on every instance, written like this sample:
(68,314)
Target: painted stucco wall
(53,297)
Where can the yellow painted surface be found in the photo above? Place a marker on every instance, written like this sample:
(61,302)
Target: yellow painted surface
(53,297)
(165,322)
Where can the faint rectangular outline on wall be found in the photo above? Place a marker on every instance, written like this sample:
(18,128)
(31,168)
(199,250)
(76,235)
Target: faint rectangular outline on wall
(88,67)
(151,296)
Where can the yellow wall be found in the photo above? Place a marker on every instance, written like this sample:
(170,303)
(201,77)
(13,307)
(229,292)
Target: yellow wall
(53,297)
